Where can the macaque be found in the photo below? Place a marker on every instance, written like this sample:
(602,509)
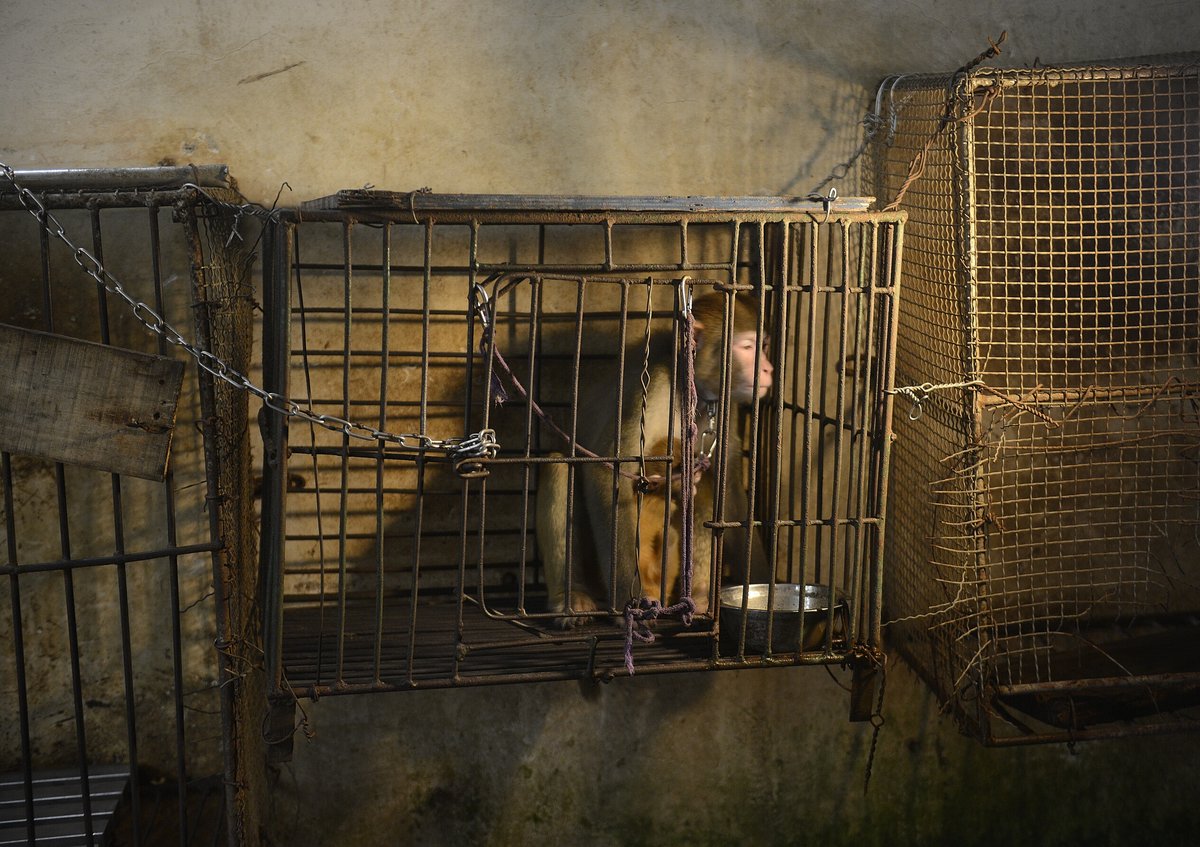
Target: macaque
(647,537)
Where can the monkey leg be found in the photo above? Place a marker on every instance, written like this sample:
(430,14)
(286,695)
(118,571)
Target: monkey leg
(652,545)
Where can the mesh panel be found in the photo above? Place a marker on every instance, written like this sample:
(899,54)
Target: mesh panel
(1045,504)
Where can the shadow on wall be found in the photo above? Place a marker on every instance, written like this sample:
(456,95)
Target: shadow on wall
(742,757)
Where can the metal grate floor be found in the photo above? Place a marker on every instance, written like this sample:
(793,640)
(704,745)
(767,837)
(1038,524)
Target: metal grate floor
(398,654)
(58,807)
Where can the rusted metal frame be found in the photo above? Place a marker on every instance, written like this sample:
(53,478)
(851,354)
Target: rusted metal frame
(572,430)
(465,217)
(1125,394)
(793,297)
(519,268)
(423,418)
(64,536)
(764,288)
(18,643)
(1101,683)
(531,380)
(646,666)
(525,460)
(278,240)
(360,201)
(135,792)
(489,377)
(109,200)
(674,408)
(831,291)
(468,405)
(385,301)
(623,326)
(807,489)
(1097,734)
(289,448)
(962,147)
(536,392)
(774,265)
(840,450)
(1012,77)
(159,179)
(860,419)
(227,675)
(343,494)
(618,434)
(181,773)
(892,293)
(719,524)
(682,296)
(99,561)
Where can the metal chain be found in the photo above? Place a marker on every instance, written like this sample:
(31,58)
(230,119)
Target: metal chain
(467,449)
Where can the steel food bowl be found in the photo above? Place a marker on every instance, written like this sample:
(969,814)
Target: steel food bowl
(783,615)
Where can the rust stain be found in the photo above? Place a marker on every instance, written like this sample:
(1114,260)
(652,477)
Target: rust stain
(257,77)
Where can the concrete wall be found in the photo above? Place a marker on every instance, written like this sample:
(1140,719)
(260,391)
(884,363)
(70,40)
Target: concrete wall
(545,96)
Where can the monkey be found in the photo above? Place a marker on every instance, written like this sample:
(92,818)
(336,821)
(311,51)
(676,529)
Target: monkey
(640,556)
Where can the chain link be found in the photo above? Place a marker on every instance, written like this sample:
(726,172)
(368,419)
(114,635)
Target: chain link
(470,448)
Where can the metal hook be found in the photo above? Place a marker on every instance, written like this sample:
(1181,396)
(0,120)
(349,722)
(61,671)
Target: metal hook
(479,302)
(688,294)
(827,201)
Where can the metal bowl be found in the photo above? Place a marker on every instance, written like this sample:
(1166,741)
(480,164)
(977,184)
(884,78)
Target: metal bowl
(783,616)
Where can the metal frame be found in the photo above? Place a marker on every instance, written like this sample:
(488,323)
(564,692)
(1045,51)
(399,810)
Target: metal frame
(111,199)
(319,640)
(1051,295)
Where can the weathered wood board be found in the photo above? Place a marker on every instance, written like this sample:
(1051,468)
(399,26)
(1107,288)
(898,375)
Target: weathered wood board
(87,404)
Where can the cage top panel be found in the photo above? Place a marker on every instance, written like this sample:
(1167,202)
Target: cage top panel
(416,202)
(1175,64)
(125,179)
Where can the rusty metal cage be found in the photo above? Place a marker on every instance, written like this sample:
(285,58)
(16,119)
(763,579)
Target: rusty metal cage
(387,570)
(1042,549)
(118,727)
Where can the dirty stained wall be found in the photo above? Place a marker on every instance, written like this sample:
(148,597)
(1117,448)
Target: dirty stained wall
(603,97)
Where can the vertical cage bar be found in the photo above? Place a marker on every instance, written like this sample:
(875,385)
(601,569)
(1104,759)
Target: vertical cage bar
(168,489)
(64,541)
(344,490)
(223,562)
(14,589)
(135,793)
(279,245)
(385,334)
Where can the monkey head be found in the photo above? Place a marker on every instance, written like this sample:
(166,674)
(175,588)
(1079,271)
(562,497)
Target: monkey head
(747,354)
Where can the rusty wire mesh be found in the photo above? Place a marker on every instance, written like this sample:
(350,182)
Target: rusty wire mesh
(1043,545)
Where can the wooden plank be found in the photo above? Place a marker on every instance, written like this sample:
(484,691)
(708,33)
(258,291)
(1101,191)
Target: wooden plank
(87,404)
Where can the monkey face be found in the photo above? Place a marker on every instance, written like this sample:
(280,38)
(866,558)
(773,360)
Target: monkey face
(746,358)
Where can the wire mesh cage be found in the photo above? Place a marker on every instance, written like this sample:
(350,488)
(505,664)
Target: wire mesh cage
(411,327)
(1043,545)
